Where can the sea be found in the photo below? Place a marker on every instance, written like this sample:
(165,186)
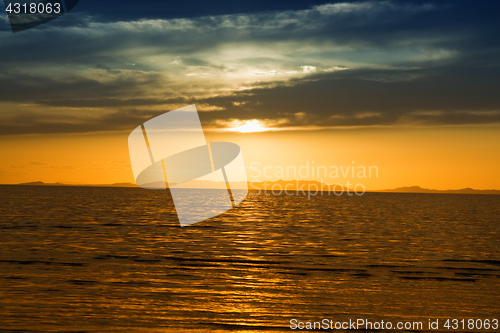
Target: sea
(97,259)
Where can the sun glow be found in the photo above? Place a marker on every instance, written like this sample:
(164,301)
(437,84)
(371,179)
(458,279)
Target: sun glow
(248,126)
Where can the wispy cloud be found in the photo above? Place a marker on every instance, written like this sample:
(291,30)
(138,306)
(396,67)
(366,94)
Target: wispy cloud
(340,64)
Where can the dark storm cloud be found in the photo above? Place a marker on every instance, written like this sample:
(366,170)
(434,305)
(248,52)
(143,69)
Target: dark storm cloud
(359,26)
(78,91)
(117,10)
(409,62)
(29,123)
(449,94)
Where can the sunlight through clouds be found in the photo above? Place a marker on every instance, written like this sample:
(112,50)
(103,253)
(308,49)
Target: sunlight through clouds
(274,64)
(248,126)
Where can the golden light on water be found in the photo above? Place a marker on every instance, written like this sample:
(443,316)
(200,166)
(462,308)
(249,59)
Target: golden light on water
(248,126)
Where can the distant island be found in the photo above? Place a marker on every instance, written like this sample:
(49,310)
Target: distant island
(313,185)
(418,189)
(39,183)
(290,185)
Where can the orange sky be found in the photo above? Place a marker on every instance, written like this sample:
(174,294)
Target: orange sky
(361,84)
(432,157)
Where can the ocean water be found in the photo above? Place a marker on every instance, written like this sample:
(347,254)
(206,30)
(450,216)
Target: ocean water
(78,259)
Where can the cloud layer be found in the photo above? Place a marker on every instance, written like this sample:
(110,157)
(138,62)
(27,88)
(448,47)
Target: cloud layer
(341,64)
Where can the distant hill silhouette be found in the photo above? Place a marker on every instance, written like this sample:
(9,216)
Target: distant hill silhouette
(418,189)
(39,183)
(289,185)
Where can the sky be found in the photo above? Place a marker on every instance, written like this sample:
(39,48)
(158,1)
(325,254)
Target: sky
(410,87)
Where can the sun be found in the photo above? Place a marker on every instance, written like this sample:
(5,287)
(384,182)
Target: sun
(248,126)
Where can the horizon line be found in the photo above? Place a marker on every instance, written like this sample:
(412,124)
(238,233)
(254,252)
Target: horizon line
(401,189)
